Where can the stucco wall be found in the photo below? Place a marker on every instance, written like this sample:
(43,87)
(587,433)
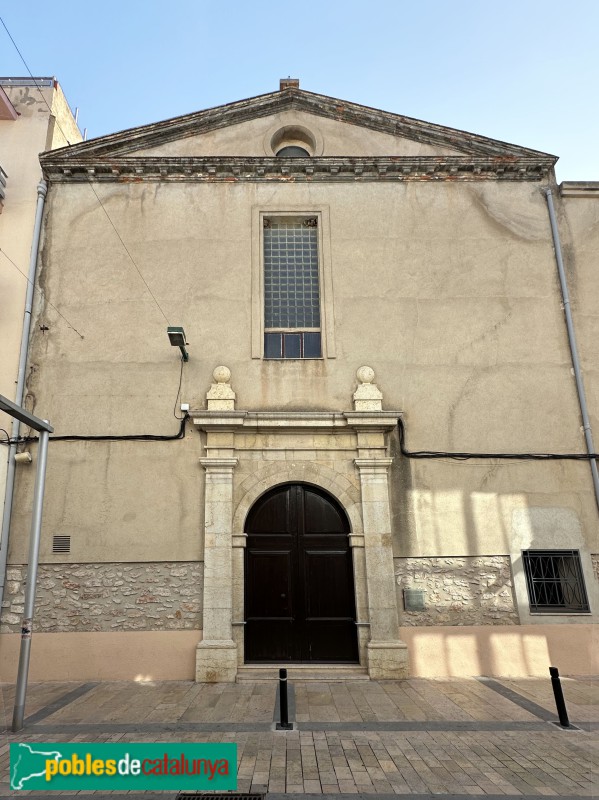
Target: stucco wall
(579,217)
(450,295)
(21,140)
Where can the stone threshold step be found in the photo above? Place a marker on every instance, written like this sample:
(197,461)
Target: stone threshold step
(329,673)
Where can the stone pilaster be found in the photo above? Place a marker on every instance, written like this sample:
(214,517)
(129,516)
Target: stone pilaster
(216,655)
(238,555)
(387,654)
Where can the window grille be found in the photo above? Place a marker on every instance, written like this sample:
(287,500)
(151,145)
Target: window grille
(555,581)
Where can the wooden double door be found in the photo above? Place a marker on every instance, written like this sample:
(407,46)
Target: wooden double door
(299,586)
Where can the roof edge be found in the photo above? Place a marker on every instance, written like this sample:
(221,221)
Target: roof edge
(579,189)
(154,134)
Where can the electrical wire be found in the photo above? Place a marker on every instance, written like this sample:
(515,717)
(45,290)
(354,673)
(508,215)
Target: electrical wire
(140,437)
(179,392)
(88,180)
(32,78)
(457,456)
(5,254)
(135,437)
(127,250)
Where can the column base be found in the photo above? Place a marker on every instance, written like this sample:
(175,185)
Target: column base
(216,661)
(388,661)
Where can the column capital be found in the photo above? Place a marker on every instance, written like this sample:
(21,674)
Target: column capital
(373,465)
(219,464)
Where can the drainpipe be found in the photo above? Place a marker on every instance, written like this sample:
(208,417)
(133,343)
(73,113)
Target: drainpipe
(586,424)
(42,190)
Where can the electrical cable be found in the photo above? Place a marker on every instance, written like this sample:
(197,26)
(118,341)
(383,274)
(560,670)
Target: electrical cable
(139,437)
(134,437)
(179,392)
(456,456)
(5,254)
(88,180)
(127,250)
(31,76)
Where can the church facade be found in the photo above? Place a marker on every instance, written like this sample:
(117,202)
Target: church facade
(378,465)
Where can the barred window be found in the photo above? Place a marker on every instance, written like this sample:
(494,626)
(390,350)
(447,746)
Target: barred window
(291,288)
(555,581)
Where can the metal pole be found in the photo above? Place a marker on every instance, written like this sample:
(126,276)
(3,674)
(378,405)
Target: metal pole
(283,725)
(42,190)
(34,547)
(586,423)
(559,698)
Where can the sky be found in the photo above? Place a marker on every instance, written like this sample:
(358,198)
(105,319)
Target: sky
(524,72)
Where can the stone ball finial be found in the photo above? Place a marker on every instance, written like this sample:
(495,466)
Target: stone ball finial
(365,374)
(222,374)
(367,396)
(221,396)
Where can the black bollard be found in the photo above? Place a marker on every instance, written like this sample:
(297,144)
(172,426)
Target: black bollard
(283,725)
(559,698)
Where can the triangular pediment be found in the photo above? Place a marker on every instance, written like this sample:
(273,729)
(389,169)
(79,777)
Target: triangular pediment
(246,129)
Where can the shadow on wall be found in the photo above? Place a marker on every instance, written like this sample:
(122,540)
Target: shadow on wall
(449,512)
(519,651)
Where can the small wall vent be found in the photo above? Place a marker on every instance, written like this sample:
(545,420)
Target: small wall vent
(61,544)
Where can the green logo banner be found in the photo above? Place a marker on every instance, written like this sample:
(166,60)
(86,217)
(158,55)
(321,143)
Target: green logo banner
(131,766)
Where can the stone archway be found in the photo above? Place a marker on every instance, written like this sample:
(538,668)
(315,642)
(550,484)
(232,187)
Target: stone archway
(344,454)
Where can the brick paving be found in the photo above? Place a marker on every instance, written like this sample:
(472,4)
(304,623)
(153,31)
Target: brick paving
(413,738)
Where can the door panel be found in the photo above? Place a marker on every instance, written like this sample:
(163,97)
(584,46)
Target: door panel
(327,589)
(270,583)
(299,588)
(269,615)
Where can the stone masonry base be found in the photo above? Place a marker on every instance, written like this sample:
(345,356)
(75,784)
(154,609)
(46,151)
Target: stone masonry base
(458,590)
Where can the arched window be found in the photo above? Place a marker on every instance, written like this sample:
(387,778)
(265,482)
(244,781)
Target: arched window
(293,151)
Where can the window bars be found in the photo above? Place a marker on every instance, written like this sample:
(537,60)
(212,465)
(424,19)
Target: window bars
(555,581)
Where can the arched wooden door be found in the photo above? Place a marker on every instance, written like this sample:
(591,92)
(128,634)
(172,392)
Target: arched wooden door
(299,586)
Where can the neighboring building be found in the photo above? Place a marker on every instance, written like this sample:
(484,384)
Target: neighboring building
(34,116)
(335,268)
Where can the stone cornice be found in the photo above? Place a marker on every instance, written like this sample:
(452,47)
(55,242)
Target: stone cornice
(295,421)
(579,189)
(324,169)
(160,133)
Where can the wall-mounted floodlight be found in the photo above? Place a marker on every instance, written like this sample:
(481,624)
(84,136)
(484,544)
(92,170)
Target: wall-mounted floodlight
(177,339)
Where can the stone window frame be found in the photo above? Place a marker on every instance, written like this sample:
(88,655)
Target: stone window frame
(325,274)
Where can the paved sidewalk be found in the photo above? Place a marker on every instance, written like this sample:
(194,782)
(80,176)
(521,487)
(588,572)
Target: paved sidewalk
(416,738)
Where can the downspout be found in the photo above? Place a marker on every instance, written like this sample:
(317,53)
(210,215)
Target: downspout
(42,190)
(586,424)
